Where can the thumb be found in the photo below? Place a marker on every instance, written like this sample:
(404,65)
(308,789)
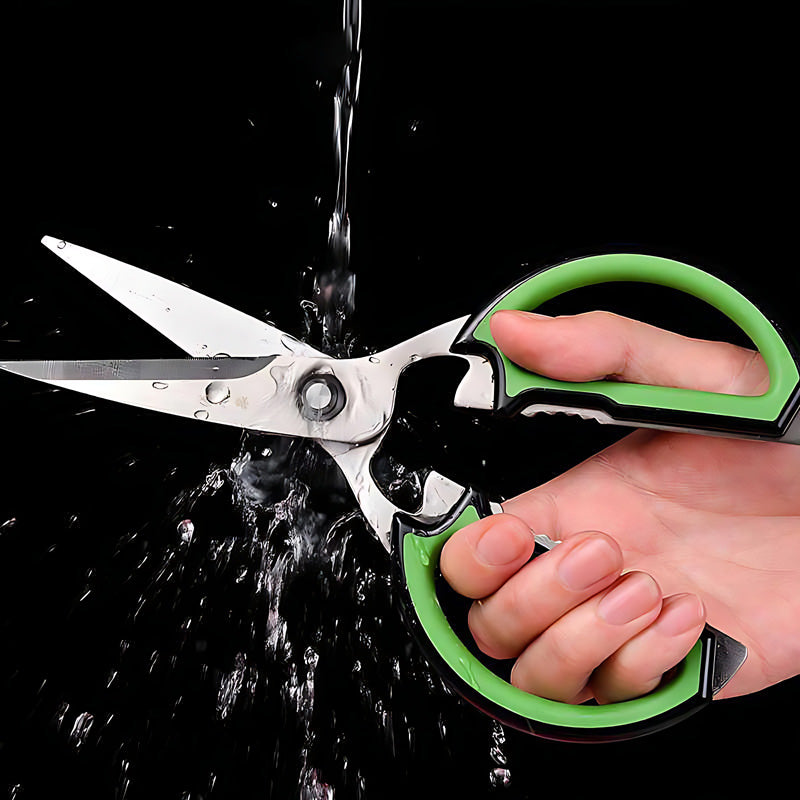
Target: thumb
(599,345)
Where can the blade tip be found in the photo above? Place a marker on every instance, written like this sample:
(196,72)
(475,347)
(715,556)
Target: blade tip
(52,243)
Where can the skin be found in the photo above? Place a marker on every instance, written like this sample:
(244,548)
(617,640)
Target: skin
(660,532)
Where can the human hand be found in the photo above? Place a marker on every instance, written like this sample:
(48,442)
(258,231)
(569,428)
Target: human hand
(660,532)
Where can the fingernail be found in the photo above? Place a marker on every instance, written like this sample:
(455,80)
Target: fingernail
(635,595)
(502,543)
(588,563)
(680,613)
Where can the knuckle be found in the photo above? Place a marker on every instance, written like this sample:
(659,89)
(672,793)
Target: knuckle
(488,636)
(601,317)
(747,370)
(636,675)
(568,652)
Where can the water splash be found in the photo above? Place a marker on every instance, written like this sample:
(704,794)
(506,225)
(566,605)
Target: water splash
(500,774)
(80,729)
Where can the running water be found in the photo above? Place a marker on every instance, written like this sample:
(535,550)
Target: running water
(334,285)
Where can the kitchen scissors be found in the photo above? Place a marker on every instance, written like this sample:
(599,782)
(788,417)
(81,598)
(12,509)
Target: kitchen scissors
(246,373)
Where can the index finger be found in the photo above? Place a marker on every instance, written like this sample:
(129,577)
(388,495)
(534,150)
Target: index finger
(477,560)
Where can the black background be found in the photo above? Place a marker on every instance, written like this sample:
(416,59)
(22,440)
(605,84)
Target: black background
(490,139)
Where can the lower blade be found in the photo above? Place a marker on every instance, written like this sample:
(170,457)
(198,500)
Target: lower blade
(232,391)
(158,369)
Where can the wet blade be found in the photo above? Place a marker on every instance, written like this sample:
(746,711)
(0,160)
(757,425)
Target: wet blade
(268,393)
(231,391)
(158,369)
(197,324)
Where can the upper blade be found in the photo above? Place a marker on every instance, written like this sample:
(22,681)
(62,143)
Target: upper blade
(198,324)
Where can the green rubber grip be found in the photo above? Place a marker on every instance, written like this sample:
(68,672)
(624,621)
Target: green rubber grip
(518,383)
(687,690)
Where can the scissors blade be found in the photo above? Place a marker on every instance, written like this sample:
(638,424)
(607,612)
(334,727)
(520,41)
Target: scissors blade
(263,393)
(231,391)
(198,324)
(156,369)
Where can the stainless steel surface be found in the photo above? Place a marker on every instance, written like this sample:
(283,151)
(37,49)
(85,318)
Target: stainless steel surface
(198,324)
(158,369)
(373,381)
(792,436)
(729,656)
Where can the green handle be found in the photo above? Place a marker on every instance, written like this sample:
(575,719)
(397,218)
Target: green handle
(417,547)
(417,552)
(764,414)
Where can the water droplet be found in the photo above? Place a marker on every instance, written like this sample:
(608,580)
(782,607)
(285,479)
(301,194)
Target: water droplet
(217,392)
(186,530)
(80,729)
(201,413)
(61,714)
(61,245)
(273,203)
(310,308)
(160,385)
(499,777)
(468,672)
(498,740)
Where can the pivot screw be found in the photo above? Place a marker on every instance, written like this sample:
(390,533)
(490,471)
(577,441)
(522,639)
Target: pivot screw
(321,397)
